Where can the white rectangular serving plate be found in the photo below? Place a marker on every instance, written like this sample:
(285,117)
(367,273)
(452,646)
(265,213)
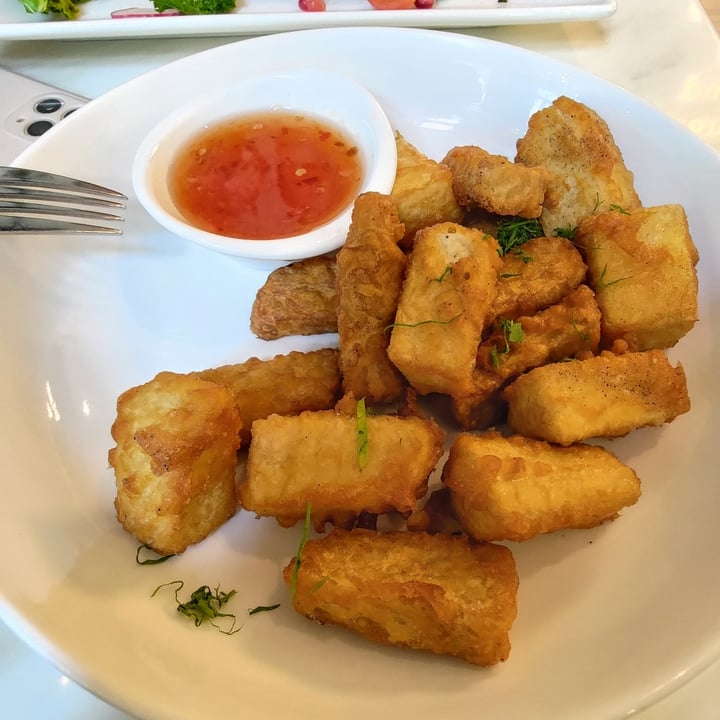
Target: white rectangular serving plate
(254,17)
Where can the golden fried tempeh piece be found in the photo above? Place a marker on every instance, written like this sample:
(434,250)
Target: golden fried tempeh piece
(422,192)
(177,439)
(642,267)
(495,184)
(546,270)
(285,384)
(604,396)
(449,288)
(315,457)
(513,488)
(370,270)
(410,589)
(569,328)
(576,145)
(297,299)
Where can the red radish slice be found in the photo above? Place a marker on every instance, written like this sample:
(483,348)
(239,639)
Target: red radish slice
(141,12)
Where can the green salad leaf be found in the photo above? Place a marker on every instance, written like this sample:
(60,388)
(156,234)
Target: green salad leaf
(65,8)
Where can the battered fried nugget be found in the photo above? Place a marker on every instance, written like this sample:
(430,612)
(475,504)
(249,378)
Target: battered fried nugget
(422,192)
(370,270)
(425,592)
(495,184)
(642,267)
(297,299)
(546,270)
(514,488)
(604,396)
(285,384)
(449,288)
(177,440)
(589,173)
(315,458)
(565,330)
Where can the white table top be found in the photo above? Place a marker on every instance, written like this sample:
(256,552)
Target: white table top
(665,51)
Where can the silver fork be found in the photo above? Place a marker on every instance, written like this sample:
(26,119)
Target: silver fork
(32,201)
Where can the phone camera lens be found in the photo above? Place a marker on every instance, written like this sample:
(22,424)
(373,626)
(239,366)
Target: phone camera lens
(48,105)
(37,128)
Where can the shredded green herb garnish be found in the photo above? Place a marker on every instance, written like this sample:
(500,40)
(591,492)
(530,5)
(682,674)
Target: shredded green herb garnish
(602,283)
(298,554)
(567,232)
(447,271)
(362,433)
(583,334)
(204,605)
(263,608)
(621,210)
(514,233)
(422,322)
(152,560)
(319,584)
(512,332)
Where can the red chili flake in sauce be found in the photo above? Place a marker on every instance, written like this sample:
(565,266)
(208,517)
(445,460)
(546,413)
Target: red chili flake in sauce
(265,177)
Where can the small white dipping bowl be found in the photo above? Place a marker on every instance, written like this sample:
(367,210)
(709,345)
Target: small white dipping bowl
(323,96)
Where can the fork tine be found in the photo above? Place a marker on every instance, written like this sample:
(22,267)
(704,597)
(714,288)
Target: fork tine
(20,195)
(26,225)
(23,177)
(13,208)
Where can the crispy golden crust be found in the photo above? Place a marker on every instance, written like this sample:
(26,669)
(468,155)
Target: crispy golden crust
(297,299)
(543,274)
(285,384)
(177,439)
(565,330)
(604,396)
(514,488)
(422,192)
(370,270)
(495,184)
(449,287)
(314,457)
(426,592)
(642,267)
(561,331)
(589,173)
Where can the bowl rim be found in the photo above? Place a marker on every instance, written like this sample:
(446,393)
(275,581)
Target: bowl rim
(367,125)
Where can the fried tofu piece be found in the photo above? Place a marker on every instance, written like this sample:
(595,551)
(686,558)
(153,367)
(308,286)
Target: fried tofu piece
(495,184)
(297,299)
(514,488)
(642,267)
(449,288)
(576,145)
(565,330)
(370,271)
(423,191)
(603,396)
(436,593)
(285,384)
(542,274)
(177,439)
(315,458)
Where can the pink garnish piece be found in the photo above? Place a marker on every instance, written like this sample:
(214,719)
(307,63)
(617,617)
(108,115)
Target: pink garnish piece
(312,5)
(424,4)
(137,12)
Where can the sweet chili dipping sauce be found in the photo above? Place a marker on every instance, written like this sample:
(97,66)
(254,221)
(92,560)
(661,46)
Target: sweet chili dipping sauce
(264,177)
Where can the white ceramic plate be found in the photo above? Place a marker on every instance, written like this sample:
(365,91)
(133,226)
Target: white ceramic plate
(610,620)
(264,16)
